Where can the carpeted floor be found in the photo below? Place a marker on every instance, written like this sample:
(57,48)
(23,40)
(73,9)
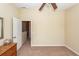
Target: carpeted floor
(27,50)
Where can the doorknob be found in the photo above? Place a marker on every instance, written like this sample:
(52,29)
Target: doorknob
(13,37)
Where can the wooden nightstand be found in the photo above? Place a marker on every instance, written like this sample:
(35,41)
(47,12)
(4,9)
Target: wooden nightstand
(8,50)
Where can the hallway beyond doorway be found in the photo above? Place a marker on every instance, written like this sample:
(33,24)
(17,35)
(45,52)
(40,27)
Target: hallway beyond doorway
(26,31)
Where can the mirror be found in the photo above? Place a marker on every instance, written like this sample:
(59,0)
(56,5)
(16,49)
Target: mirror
(1,27)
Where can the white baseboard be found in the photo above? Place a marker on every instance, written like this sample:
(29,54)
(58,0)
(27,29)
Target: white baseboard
(46,45)
(72,49)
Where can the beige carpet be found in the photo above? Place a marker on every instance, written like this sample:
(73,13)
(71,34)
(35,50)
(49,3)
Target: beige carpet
(27,50)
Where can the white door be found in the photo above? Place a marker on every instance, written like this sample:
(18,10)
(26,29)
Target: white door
(17,32)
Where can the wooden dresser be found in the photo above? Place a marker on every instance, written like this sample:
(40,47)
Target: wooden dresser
(8,50)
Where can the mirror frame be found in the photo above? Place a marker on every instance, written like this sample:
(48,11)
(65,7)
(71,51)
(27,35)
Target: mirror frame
(1,28)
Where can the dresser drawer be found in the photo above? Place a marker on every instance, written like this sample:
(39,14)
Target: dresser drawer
(14,54)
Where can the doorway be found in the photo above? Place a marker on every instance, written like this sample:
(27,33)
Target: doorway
(26,30)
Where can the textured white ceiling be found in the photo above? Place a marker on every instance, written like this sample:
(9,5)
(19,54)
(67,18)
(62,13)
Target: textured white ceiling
(61,6)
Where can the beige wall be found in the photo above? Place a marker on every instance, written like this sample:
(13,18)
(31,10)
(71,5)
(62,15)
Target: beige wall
(72,28)
(7,11)
(47,26)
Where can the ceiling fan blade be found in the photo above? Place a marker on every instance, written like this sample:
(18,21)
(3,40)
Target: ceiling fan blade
(54,6)
(42,6)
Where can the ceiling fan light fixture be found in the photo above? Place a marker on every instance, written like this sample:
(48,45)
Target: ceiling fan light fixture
(53,5)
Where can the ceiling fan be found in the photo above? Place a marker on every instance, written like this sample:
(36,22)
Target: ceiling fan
(53,5)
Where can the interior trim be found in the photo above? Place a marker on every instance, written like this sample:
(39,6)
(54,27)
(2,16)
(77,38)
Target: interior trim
(71,49)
